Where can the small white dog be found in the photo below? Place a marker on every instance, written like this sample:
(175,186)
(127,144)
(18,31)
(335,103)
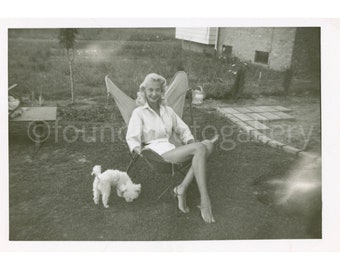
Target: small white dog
(113,178)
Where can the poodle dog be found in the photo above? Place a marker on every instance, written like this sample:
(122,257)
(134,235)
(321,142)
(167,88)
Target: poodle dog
(113,178)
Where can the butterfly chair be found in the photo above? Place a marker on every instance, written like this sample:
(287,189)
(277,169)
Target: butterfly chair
(175,97)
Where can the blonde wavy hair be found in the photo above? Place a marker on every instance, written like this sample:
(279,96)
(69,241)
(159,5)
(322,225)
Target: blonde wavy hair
(141,98)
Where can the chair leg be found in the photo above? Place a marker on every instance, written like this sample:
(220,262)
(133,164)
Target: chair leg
(132,162)
(165,190)
(172,184)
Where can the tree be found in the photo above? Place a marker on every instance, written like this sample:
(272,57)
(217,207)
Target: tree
(67,38)
(239,82)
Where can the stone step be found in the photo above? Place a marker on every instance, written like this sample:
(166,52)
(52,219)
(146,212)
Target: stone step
(258,117)
(265,109)
(255,109)
(227,110)
(268,108)
(270,116)
(234,119)
(242,109)
(284,116)
(243,117)
(257,125)
(282,109)
(257,113)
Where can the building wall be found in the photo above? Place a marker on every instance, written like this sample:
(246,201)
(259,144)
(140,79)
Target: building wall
(203,35)
(306,63)
(294,48)
(282,50)
(306,54)
(278,41)
(198,47)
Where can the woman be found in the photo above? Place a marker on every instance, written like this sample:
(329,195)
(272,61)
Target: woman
(152,123)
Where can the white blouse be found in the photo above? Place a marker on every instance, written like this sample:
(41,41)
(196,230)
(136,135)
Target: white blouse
(154,130)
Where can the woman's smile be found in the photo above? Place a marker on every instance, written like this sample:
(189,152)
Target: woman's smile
(153,91)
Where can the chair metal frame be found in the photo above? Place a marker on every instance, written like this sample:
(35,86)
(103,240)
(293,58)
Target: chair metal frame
(159,165)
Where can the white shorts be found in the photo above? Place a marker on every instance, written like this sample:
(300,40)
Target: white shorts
(161,147)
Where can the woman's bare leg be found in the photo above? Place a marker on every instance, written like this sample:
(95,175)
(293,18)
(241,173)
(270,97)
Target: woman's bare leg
(182,187)
(198,152)
(180,191)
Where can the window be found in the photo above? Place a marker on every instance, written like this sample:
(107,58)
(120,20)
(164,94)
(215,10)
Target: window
(261,57)
(226,49)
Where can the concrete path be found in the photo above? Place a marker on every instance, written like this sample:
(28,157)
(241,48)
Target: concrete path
(252,119)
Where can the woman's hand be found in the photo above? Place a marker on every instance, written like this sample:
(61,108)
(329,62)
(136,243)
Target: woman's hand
(137,150)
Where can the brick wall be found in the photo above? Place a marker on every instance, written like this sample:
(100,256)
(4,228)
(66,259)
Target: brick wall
(278,41)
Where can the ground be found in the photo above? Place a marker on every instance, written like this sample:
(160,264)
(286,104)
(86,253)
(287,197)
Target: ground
(51,187)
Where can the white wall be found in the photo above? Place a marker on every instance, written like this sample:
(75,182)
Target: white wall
(204,35)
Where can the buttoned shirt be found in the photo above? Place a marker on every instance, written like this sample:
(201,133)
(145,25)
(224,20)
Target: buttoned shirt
(154,130)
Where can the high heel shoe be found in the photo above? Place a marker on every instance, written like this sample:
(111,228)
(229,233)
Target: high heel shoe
(176,196)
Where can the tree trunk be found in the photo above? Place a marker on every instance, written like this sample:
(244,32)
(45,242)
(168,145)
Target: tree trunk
(70,58)
(71,80)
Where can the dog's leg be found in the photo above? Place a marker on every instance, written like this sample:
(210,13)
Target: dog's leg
(96,195)
(105,199)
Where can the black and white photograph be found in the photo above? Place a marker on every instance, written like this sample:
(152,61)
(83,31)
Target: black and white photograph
(165,133)
(174,134)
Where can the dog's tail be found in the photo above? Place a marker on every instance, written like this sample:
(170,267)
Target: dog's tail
(97,171)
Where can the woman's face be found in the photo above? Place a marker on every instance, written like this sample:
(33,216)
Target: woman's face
(153,92)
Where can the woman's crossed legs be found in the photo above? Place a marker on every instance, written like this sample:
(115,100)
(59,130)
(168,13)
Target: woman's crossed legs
(198,152)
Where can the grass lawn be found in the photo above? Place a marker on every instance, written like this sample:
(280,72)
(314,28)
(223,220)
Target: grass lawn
(50,190)
(51,197)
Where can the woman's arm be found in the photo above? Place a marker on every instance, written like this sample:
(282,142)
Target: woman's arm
(182,129)
(134,132)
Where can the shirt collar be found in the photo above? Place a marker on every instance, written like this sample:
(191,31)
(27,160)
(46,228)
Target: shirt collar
(146,105)
(161,108)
